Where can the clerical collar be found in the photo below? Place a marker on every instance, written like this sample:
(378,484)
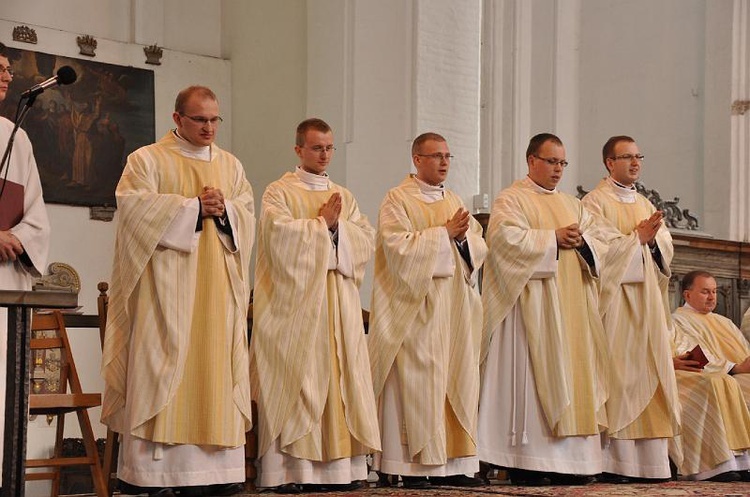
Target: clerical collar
(690,307)
(625,194)
(538,188)
(316,182)
(193,151)
(430,192)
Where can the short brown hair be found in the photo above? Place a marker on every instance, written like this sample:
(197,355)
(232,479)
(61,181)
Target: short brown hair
(3,50)
(313,123)
(424,137)
(689,279)
(537,141)
(609,148)
(184,96)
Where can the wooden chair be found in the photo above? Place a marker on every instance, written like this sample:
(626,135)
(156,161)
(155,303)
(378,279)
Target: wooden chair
(61,402)
(112,445)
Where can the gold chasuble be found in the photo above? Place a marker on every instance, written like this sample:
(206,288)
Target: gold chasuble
(427,327)
(721,341)
(566,340)
(175,360)
(311,374)
(643,399)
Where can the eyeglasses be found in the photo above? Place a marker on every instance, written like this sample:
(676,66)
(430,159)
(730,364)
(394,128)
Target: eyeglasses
(629,157)
(438,157)
(319,149)
(205,120)
(4,69)
(553,161)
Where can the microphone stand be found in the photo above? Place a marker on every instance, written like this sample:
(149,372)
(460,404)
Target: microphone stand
(21,114)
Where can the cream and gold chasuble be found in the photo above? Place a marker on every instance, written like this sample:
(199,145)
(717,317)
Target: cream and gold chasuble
(311,373)
(175,359)
(428,327)
(560,313)
(643,399)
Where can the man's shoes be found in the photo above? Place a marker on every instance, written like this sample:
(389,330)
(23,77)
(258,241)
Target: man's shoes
(130,489)
(456,481)
(568,479)
(728,477)
(415,482)
(385,480)
(331,487)
(288,488)
(613,478)
(220,489)
(528,478)
(745,475)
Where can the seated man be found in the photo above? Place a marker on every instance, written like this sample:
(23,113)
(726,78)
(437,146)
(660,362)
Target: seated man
(715,436)
(714,439)
(727,349)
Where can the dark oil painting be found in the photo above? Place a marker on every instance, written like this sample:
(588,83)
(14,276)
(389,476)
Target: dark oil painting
(83,132)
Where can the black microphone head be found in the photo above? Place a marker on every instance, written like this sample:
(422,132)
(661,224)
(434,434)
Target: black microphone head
(66,75)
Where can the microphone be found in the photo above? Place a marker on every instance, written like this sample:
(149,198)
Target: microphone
(65,75)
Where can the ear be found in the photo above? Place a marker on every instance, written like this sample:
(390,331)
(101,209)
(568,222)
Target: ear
(608,164)
(176,118)
(298,151)
(685,294)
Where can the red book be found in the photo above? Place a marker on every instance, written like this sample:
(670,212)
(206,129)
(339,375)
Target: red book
(697,355)
(11,204)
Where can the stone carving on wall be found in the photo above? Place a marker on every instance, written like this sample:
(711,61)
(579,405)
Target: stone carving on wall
(674,217)
(87,45)
(739,107)
(24,34)
(153,54)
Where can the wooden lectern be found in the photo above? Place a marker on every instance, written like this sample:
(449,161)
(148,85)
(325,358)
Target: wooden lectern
(19,306)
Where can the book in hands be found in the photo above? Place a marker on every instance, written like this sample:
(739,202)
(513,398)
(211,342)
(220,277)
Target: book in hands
(697,355)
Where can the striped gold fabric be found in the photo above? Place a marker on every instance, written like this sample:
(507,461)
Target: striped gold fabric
(566,339)
(643,394)
(715,422)
(175,356)
(428,328)
(310,368)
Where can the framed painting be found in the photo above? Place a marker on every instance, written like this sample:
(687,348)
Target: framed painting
(82,133)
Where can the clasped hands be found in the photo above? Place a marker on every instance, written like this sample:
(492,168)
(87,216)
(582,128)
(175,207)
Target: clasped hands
(212,202)
(331,210)
(10,246)
(458,225)
(648,228)
(569,237)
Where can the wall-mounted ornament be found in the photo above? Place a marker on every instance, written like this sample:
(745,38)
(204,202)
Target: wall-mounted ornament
(739,107)
(87,44)
(153,54)
(24,34)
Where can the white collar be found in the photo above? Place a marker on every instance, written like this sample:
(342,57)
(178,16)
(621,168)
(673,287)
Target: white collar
(317,182)
(538,188)
(690,307)
(193,151)
(430,193)
(625,194)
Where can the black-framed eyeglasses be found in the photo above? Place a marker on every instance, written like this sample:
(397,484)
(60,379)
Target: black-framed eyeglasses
(4,69)
(438,157)
(319,149)
(553,161)
(215,121)
(629,157)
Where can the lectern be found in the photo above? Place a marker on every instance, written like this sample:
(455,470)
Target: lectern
(19,306)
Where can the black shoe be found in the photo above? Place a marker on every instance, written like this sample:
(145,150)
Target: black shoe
(415,482)
(288,488)
(130,489)
(528,478)
(456,481)
(613,478)
(745,475)
(385,480)
(220,489)
(568,479)
(727,477)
